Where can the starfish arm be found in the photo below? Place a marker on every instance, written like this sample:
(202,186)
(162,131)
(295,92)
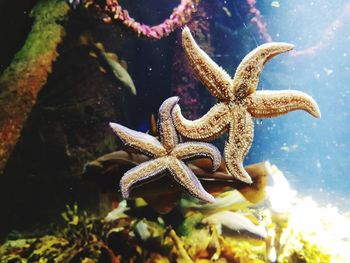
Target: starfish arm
(265,104)
(142,142)
(240,139)
(144,171)
(187,179)
(168,135)
(248,72)
(215,78)
(190,150)
(210,126)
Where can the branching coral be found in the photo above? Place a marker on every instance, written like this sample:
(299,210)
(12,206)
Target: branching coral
(257,20)
(24,78)
(180,16)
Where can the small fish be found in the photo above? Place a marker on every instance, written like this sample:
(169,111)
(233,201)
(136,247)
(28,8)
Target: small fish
(109,63)
(236,222)
(117,69)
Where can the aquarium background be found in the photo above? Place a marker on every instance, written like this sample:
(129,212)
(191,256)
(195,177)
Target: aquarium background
(68,125)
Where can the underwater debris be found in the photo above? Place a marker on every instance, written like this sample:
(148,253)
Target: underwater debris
(23,79)
(275,4)
(112,10)
(74,3)
(167,154)
(239,101)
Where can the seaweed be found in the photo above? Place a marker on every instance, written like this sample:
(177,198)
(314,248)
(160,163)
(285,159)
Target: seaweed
(82,237)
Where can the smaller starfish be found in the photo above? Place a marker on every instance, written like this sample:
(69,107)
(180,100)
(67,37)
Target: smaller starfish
(238,101)
(167,155)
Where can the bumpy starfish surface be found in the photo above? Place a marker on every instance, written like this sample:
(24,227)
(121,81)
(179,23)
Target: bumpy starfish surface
(238,101)
(166,155)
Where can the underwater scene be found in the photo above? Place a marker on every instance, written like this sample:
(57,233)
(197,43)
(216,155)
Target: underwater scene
(174,131)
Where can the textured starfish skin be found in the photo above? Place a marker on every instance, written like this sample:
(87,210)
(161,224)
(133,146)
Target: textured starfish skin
(167,155)
(238,101)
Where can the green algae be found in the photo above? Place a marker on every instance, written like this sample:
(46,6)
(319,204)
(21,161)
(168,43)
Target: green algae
(28,72)
(46,31)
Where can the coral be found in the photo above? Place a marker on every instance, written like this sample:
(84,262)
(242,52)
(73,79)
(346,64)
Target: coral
(180,16)
(328,34)
(28,72)
(257,20)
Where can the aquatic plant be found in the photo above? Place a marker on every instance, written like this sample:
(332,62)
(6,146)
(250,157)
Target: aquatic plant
(306,232)
(80,238)
(23,79)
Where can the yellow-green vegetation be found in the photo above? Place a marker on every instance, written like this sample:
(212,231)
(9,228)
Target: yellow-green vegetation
(46,33)
(28,72)
(79,238)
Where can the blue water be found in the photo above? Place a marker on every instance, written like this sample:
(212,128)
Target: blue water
(314,154)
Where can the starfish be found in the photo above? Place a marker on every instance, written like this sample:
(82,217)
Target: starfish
(238,101)
(167,155)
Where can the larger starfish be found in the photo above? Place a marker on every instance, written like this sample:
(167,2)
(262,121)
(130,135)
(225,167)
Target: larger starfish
(166,154)
(238,101)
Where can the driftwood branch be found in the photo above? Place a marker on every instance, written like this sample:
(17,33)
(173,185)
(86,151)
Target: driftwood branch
(23,79)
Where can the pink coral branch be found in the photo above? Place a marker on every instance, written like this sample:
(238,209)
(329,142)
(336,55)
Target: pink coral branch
(257,20)
(180,16)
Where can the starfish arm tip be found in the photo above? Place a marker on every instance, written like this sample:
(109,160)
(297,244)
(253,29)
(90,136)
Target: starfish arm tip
(247,180)
(173,99)
(185,30)
(125,192)
(317,113)
(288,46)
(280,46)
(210,199)
(113,125)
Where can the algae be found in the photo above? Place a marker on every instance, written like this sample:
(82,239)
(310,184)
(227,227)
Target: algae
(28,72)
